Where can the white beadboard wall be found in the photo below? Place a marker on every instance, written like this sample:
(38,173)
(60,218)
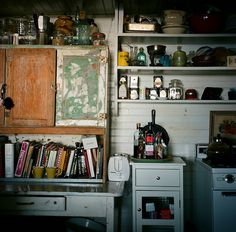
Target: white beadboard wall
(186,124)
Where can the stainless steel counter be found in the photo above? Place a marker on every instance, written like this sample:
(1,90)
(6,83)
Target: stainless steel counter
(62,199)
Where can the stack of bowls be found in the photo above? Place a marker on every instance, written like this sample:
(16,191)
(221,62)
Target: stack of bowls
(174,22)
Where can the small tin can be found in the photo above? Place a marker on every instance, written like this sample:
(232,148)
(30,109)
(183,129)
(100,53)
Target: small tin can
(123,58)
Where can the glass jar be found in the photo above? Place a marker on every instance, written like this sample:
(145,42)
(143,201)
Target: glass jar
(98,39)
(179,57)
(175,90)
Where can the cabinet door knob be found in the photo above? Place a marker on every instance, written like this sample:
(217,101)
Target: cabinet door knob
(139,209)
(158,178)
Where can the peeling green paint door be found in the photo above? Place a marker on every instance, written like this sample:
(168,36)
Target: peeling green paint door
(81,86)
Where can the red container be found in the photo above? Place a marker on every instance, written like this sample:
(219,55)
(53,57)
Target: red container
(207,23)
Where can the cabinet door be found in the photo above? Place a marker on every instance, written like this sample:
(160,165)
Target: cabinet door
(2,75)
(31,84)
(159,210)
(82,86)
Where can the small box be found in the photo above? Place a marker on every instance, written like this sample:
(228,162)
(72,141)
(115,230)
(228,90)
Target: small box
(133,82)
(231,61)
(201,150)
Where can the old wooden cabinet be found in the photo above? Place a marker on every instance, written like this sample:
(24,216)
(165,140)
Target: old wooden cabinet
(30,83)
(57,90)
(2,75)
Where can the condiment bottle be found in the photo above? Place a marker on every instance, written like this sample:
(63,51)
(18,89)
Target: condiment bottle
(179,57)
(149,142)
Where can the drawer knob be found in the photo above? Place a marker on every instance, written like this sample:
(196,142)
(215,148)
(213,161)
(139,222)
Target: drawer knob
(158,178)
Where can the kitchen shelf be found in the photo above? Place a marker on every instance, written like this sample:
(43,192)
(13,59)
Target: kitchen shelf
(173,70)
(66,130)
(149,38)
(191,42)
(177,101)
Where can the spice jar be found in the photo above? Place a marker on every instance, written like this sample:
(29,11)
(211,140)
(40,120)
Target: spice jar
(175,90)
(98,39)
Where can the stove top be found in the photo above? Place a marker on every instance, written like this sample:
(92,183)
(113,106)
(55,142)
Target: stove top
(221,162)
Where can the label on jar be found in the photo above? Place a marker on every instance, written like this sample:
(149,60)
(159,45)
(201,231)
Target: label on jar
(134,94)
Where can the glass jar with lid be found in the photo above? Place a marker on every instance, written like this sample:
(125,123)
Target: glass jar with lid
(175,90)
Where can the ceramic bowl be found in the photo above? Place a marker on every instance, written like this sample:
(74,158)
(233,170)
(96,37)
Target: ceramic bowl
(174,16)
(207,23)
(177,29)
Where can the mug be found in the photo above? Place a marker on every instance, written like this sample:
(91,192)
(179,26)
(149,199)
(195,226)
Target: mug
(53,172)
(38,171)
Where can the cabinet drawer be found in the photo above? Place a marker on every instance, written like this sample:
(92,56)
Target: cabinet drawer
(87,206)
(156,177)
(32,203)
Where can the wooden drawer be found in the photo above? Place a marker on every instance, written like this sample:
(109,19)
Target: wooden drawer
(36,203)
(157,177)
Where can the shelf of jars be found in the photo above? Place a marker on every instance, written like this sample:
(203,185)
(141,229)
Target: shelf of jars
(173,70)
(184,101)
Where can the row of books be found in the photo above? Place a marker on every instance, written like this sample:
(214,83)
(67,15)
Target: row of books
(79,161)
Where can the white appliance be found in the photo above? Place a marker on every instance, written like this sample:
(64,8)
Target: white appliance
(118,168)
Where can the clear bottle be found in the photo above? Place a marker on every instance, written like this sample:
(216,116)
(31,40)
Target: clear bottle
(141,57)
(136,138)
(149,142)
(141,144)
(82,28)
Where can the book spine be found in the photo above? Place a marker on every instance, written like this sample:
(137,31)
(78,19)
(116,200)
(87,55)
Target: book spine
(21,159)
(9,160)
(90,163)
(71,157)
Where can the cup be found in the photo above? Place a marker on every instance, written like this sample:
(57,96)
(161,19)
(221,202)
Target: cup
(38,171)
(53,172)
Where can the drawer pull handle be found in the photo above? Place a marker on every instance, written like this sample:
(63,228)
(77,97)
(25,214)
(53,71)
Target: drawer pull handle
(158,178)
(25,203)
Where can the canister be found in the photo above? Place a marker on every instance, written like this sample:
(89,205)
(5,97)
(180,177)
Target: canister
(175,90)
(123,58)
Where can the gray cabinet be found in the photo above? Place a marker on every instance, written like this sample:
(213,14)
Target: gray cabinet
(158,195)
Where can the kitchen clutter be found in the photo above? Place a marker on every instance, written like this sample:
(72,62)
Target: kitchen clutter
(131,87)
(162,55)
(151,141)
(43,30)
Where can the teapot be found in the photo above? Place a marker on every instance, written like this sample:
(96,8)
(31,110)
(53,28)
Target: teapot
(218,149)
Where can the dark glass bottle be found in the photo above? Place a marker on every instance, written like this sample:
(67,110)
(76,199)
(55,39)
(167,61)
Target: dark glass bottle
(149,142)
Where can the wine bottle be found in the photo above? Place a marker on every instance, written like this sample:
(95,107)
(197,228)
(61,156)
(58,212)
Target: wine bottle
(149,142)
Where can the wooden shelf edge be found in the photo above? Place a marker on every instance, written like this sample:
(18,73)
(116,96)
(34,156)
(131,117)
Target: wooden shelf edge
(54,130)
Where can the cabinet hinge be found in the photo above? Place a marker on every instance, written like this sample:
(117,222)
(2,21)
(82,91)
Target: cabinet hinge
(103,59)
(9,59)
(102,116)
